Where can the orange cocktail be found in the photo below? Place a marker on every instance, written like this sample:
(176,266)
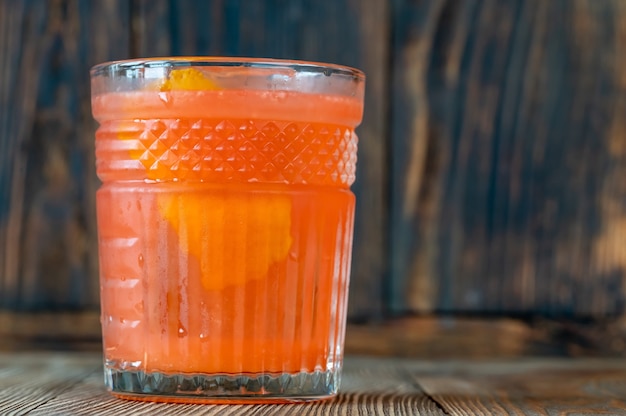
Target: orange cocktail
(225,226)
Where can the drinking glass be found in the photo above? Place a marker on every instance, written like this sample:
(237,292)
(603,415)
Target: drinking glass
(225,226)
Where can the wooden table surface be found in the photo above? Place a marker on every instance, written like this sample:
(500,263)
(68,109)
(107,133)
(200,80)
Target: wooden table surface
(66,383)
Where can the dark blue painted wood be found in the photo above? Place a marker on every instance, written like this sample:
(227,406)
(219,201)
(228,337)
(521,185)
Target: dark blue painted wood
(490,171)
(512,208)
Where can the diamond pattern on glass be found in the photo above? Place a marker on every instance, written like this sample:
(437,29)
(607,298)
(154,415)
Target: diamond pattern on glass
(240,150)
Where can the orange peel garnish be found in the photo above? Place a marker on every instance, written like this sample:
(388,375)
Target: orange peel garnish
(188,79)
(235,238)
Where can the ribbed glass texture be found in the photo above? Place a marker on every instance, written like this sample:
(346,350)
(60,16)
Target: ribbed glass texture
(172,304)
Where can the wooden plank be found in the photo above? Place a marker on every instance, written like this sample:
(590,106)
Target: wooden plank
(28,381)
(418,337)
(370,253)
(474,338)
(529,388)
(50,331)
(346,32)
(46,384)
(47,176)
(508,154)
(17,113)
(368,387)
(412,283)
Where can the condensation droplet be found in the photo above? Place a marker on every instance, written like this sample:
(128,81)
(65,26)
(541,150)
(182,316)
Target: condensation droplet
(165,97)
(123,278)
(140,260)
(139,306)
(182,332)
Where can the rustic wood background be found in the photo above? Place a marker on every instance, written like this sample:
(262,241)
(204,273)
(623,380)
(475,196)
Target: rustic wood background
(52,384)
(492,159)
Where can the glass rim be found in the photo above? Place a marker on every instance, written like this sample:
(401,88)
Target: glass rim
(327,69)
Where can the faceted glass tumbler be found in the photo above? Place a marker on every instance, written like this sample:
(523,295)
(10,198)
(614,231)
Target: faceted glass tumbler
(225,225)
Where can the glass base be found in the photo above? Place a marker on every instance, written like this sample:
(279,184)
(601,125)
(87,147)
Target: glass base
(222,388)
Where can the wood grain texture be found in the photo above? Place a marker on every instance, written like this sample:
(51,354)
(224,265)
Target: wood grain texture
(347,32)
(49,384)
(508,149)
(13,132)
(47,179)
(28,381)
(529,388)
(47,182)
(83,393)
(412,283)
(491,160)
